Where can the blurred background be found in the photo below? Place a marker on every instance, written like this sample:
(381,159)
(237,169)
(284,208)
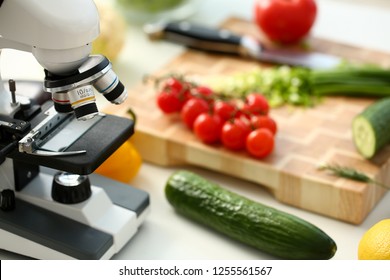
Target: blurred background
(361,23)
(349,16)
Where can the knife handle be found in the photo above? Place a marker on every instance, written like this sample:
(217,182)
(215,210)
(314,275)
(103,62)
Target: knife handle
(197,37)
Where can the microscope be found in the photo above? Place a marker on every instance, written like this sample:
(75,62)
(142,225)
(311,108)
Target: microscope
(52,138)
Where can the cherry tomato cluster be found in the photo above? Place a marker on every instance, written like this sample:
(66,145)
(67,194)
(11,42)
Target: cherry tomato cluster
(239,124)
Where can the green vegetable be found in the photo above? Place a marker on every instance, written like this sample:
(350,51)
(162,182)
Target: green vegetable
(150,6)
(370,129)
(348,80)
(352,174)
(281,85)
(306,87)
(267,229)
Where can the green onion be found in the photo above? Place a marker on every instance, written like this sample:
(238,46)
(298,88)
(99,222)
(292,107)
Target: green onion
(304,87)
(364,80)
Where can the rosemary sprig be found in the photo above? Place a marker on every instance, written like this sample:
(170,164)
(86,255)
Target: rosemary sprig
(352,174)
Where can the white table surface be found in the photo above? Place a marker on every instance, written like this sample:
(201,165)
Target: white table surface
(166,235)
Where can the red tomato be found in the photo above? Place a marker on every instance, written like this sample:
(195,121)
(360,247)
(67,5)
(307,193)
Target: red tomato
(260,142)
(192,109)
(173,83)
(169,101)
(255,104)
(207,128)
(226,110)
(264,122)
(204,92)
(285,21)
(234,134)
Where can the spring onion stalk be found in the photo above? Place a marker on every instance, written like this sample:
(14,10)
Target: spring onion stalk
(363,80)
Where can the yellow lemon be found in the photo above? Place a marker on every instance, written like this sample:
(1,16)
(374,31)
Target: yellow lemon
(123,164)
(375,243)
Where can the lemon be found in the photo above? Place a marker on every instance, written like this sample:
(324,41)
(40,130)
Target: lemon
(112,37)
(375,243)
(123,164)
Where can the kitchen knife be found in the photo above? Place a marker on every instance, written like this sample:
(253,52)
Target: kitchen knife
(226,42)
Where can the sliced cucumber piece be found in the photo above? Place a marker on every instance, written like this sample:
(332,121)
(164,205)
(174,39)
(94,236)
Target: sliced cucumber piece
(371,128)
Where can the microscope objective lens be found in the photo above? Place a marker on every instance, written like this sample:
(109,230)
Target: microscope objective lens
(82,100)
(111,88)
(75,92)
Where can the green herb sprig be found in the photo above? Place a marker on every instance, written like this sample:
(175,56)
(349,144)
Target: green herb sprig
(352,174)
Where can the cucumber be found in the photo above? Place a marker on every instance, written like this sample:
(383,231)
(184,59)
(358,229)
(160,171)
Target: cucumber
(277,233)
(371,128)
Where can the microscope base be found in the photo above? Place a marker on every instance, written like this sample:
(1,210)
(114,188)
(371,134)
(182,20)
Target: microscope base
(98,228)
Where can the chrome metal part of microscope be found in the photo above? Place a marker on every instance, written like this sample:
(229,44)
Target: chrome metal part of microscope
(32,142)
(75,92)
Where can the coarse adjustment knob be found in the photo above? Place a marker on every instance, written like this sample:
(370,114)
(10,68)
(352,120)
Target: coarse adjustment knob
(7,200)
(70,188)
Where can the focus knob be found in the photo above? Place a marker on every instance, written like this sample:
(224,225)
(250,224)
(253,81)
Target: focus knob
(7,200)
(70,188)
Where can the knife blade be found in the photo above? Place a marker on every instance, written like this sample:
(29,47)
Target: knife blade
(226,42)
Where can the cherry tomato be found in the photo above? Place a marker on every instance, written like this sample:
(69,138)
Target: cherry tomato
(285,21)
(260,143)
(264,122)
(255,104)
(173,83)
(207,127)
(192,109)
(169,101)
(176,85)
(204,92)
(226,110)
(234,134)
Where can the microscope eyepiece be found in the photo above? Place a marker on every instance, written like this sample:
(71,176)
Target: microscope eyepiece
(75,92)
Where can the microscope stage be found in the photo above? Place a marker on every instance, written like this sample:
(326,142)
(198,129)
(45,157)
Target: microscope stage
(99,142)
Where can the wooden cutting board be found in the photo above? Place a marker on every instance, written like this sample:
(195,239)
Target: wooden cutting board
(306,138)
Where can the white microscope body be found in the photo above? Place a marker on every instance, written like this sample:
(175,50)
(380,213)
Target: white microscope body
(59,35)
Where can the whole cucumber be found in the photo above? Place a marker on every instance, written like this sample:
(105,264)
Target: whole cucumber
(272,231)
